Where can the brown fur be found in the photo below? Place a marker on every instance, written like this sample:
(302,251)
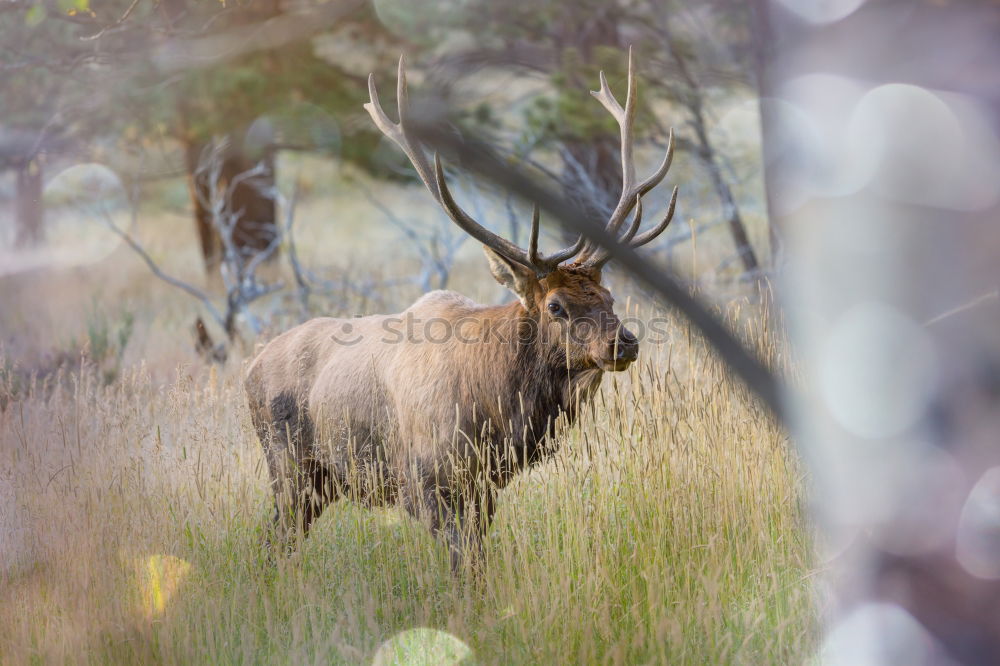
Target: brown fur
(437,425)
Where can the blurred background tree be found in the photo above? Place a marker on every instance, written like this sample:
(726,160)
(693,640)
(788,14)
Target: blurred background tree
(256,100)
(173,103)
(266,76)
(40,68)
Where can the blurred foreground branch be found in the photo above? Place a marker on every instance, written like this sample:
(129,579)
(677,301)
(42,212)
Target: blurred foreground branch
(885,243)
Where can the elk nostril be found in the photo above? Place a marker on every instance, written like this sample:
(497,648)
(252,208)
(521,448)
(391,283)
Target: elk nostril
(627,349)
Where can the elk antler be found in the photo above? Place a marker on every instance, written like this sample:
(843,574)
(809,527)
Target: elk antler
(632,193)
(438,187)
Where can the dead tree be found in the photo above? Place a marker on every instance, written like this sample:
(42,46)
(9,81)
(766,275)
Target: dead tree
(239,260)
(254,227)
(238,265)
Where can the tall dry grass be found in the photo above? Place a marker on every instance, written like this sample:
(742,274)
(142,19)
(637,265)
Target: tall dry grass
(669,528)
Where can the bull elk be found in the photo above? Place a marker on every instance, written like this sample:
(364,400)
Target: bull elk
(441,422)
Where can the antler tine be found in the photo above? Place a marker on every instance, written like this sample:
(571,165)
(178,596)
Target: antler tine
(557,258)
(647,236)
(402,93)
(657,176)
(547,264)
(625,117)
(533,257)
(542,264)
(473,228)
(374,109)
(435,181)
(626,123)
(636,221)
(632,193)
(397,131)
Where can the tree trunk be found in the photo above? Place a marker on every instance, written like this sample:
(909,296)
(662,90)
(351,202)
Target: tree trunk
(29,212)
(730,210)
(207,238)
(257,226)
(695,103)
(765,42)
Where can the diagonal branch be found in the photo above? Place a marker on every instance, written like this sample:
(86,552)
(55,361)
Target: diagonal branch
(105,29)
(476,155)
(159,272)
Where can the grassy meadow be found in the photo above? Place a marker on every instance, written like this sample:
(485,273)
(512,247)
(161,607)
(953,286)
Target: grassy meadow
(670,527)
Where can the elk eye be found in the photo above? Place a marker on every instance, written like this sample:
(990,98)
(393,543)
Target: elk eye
(555,308)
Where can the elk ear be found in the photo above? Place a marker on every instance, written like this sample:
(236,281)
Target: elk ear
(514,276)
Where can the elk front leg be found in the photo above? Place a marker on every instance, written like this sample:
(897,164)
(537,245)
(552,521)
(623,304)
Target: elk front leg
(461,520)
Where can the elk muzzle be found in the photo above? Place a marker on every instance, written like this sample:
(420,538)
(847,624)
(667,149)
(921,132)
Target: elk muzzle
(623,351)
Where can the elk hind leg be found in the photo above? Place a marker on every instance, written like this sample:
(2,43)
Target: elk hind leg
(302,487)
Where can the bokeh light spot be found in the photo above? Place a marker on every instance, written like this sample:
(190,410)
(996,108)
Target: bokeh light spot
(822,11)
(930,148)
(977,545)
(877,371)
(827,160)
(878,634)
(159,580)
(422,647)
(76,201)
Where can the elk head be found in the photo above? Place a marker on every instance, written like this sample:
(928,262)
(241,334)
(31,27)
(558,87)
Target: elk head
(562,291)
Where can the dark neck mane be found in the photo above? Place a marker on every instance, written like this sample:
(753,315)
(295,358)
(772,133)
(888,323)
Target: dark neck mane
(534,385)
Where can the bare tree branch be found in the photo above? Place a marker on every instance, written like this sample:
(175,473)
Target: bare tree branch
(155,268)
(105,29)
